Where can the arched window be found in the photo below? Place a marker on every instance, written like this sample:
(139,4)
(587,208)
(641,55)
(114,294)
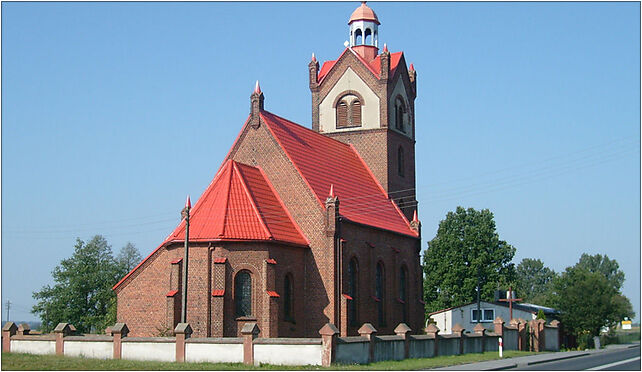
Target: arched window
(288,307)
(357,37)
(379,293)
(243,294)
(400,162)
(353,282)
(367,39)
(348,111)
(403,292)
(400,110)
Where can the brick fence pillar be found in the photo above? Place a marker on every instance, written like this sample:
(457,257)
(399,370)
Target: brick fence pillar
(480,330)
(369,332)
(24,329)
(522,337)
(403,330)
(249,332)
(434,331)
(498,323)
(9,329)
(329,344)
(182,332)
(458,331)
(62,330)
(118,331)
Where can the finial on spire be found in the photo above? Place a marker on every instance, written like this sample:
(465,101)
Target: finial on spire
(412,67)
(414,217)
(314,59)
(332,190)
(257,88)
(385,47)
(188,203)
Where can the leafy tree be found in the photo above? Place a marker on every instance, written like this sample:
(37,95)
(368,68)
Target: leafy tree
(82,292)
(602,264)
(128,257)
(466,248)
(540,314)
(533,280)
(588,296)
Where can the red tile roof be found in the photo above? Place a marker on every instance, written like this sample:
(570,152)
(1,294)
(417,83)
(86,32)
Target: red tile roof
(220,260)
(218,292)
(172,293)
(239,204)
(271,261)
(374,66)
(273,294)
(323,161)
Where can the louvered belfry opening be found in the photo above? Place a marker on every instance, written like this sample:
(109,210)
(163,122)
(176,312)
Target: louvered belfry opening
(348,112)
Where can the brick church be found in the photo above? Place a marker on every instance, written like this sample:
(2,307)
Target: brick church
(301,227)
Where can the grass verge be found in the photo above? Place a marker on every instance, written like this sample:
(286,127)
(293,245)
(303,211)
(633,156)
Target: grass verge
(17,361)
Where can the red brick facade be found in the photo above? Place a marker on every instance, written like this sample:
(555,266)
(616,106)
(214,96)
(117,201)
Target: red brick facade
(149,299)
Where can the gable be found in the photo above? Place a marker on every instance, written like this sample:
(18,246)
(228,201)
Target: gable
(349,81)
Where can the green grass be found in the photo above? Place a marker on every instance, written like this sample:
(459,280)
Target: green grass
(17,361)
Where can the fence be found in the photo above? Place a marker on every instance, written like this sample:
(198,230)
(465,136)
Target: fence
(249,349)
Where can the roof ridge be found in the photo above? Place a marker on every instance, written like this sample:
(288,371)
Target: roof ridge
(308,129)
(252,202)
(287,211)
(227,197)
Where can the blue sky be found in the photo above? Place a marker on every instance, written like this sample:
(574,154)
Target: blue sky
(113,112)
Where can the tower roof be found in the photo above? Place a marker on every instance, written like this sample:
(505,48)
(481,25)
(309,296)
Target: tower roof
(363,13)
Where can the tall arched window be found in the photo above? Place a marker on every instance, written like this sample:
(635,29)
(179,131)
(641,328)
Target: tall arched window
(379,293)
(243,294)
(367,38)
(353,282)
(288,306)
(403,292)
(400,162)
(358,39)
(400,110)
(348,111)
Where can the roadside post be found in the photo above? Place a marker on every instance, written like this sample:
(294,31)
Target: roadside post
(501,347)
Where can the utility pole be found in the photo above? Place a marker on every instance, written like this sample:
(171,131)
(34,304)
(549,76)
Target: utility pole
(185,215)
(8,309)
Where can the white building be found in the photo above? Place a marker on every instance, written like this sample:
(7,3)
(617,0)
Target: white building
(466,315)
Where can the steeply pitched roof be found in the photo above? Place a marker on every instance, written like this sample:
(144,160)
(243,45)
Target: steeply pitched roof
(239,204)
(324,162)
(374,66)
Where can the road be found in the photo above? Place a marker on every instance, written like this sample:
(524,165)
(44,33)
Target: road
(610,360)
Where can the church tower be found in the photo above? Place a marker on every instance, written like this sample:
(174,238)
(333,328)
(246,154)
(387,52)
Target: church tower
(367,99)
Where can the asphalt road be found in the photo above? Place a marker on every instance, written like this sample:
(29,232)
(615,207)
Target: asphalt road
(615,360)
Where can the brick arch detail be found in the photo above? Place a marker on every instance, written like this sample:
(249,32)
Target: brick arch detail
(345,93)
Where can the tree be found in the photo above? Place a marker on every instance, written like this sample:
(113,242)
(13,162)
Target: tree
(533,280)
(465,249)
(128,257)
(82,292)
(588,297)
(602,264)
